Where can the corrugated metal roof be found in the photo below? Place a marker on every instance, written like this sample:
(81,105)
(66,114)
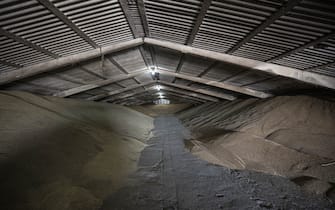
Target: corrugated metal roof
(296,33)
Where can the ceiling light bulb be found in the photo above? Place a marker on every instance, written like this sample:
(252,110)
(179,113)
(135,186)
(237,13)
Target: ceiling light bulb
(153,70)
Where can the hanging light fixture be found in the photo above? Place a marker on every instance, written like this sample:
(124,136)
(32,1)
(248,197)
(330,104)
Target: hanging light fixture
(153,70)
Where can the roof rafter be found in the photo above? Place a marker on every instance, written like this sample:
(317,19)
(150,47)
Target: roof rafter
(270,68)
(189,93)
(143,15)
(200,18)
(126,12)
(131,98)
(97,84)
(113,61)
(195,30)
(82,68)
(202,91)
(243,90)
(185,96)
(144,19)
(308,77)
(6,63)
(180,64)
(309,44)
(149,97)
(208,69)
(122,97)
(103,96)
(320,66)
(208,82)
(29,71)
(125,9)
(184,87)
(115,92)
(172,89)
(67,21)
(283,10)
(211,66)
(143,96)
(27,43)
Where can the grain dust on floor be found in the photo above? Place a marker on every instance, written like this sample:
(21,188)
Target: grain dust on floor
(170,177)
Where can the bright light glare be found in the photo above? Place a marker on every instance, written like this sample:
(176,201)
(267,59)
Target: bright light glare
(158,87)
(160,95)
(153,70)
(162,101)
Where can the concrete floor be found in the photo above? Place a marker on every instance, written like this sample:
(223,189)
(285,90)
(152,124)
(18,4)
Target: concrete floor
(169,177)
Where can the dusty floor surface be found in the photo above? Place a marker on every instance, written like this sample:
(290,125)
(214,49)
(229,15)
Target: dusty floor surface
(170,177)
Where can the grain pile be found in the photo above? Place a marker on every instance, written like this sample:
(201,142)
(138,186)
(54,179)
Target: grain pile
(287,136)
(65,154)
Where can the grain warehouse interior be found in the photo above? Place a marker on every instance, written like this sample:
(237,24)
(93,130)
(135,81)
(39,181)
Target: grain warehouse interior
(167,104)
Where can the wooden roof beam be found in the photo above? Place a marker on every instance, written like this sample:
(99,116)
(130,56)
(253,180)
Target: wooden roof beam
(21,73)
(202,91)
(303,76)
(53,9)
(280,12)
(97,84)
